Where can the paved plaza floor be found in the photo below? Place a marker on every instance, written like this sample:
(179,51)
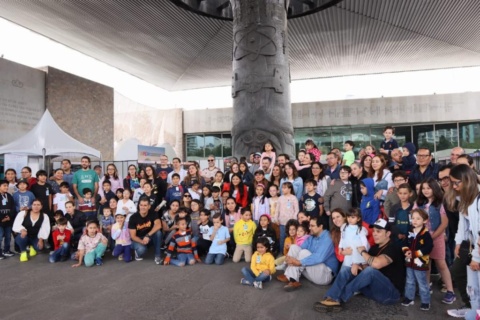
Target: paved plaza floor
(142,290)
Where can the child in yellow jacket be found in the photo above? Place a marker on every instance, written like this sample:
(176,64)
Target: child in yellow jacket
(262,266)
(243,232)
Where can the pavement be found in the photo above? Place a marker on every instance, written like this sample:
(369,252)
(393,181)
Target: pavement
(40,290)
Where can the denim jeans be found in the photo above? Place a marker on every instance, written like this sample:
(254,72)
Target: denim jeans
(125,250)
(183,259)
(414,277)
(370,282)
(24,242)
(155,240)
(217,257)
(282,238)
(251,277)
(7,232)
(64,250)
(473,290)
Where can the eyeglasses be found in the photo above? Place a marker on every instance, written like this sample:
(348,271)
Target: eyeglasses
(210,160)
(187,196)
(444,179)
(423,155)
(456,183)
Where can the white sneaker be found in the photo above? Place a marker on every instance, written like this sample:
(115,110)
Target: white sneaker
(281,267)
(458,313)
(258,284)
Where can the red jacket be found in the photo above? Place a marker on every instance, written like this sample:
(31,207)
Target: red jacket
(58,243)
(242,201)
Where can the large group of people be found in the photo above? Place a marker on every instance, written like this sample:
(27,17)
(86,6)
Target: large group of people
(374,224)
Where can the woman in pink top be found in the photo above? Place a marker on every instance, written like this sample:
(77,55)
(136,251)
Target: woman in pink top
(112,176)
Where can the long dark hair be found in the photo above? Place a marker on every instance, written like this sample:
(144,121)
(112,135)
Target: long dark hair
(335,231)
(469,190)
(291,165)
(241,186)
(437,193)
(322,172)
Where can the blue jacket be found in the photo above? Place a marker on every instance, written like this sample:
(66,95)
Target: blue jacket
(322,251)
(408,163)
(433,216)
(369,206)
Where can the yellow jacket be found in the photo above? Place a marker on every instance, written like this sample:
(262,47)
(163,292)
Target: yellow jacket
(263,262)
(243,231)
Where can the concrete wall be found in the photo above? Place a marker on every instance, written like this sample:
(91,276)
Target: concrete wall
(82,108)
(22,99)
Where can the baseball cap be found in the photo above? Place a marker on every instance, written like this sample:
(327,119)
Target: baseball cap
(381,224)
(258,154)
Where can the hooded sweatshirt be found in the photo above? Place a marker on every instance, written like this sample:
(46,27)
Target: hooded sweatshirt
(369,206)
(408,163)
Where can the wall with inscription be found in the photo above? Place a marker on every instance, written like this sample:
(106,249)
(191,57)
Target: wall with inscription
(22,99)
(395,110)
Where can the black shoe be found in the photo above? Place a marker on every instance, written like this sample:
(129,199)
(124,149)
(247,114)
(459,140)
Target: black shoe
(2,256)
(64,258)
(8,253)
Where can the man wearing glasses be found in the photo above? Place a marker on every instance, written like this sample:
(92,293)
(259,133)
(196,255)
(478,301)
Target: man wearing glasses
(455,153)
(209,173)
(424,169)
(256,163)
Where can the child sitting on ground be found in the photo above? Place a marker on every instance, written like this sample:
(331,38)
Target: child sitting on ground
(185,245)
(220,236)
(204,241)
(61,241)
(91,246)
(262,266)
(123,242)
(291,228)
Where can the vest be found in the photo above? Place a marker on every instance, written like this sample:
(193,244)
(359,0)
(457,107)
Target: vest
(434,217)
(32,230)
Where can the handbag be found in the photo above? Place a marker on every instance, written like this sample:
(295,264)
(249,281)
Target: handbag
(465,252)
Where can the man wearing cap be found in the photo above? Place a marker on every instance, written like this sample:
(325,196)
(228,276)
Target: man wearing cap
(380,278)
(7,216)
(256,163)
(315,259)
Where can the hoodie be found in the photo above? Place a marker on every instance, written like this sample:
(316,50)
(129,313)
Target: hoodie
(369,206)
(408,163)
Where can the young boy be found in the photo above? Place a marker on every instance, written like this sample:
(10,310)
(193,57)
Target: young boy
(61,198)
(175,191)
(186,247)
(61,241)
(369,206)
(7,216)
(123,242)
(108,195)
(349,155)
(217,206)
(44,192)
(23,198)
(243,231)
(310,201)
(400,214)
(204,241)
(88,207)
(106,225)
(139,191)
(408,157)
(219,236)
(388,144)
(399,177)
(339,195)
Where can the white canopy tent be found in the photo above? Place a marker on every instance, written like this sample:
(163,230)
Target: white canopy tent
(48,139)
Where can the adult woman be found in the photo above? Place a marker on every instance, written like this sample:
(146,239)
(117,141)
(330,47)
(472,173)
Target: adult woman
(186,200)
(464,183)
(32,228)
(192,175)
(366,164)
(382,177)
(339,219)
(358,174)
(168,221)
(237,190)
(57,179)
(234,168)
(132,180)
(322,179)
(291,175)
(11,177)
(247,176)
(116,182)
(113,203)
(159,186)
(276,175)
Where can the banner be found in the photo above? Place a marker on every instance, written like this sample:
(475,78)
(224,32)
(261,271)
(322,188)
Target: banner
(17,162)
(148,154)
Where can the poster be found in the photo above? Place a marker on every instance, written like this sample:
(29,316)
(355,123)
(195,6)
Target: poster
(148,154)
(16,162)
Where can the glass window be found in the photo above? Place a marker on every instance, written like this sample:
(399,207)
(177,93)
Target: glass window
(403,135)
(361,138)
(213,145)
(300,136)
(470,136)
(323,140)
(424,137)
(195,147)
(339,136)
(227,145)
(446,137)
(376,138)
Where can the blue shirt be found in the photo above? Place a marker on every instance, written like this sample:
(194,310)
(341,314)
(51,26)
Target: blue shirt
(335,174)
(322,250)
(222,234)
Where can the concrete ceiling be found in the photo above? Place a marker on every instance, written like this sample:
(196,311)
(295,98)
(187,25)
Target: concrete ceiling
(176,49)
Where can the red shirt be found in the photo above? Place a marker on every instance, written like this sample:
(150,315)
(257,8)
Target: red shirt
(58,243)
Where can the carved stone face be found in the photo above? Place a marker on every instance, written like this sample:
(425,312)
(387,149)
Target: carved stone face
(254,140)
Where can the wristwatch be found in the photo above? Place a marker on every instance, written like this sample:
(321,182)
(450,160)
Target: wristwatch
(147,236)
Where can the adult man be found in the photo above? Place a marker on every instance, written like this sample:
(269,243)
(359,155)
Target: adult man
(333,167)
(425,168)
(381,279)
(455,153)
(256,162)
(85,178)
(282,159)
(396,163)
(314,259)
(44,192)
(209,173)
(266,162)
(7,216)
(27,174)
(77,219)
(67,173)
(145,230)
(163,169)
(177,168)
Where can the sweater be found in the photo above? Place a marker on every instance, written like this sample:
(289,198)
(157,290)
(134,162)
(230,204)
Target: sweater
(121,235)
(58,243)
(262,262)
(338,196)
(183,242)
(243,232)
(420,244)
(287,208)
(369,206)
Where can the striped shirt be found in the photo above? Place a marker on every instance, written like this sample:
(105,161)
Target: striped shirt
(184,243)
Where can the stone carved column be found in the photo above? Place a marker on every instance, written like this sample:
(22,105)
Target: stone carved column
(261,77)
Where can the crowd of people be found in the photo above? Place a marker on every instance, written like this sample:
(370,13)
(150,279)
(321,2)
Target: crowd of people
(378,224)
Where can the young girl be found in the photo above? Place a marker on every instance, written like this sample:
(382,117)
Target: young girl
(272,201)
(204,242)
(417,261)
(291,227)
(287,208)
(243,231)
(400,214)
(265,230)
(353,235)
(312,148)
(303,231)
(168,221)
(230,216)
(370,151)
(207,199)
(218,182)
(123,242)
(299,161)
(268,151)
(91,246)
(260,204)
(430,198)
(302,216)
(126,206)
(262,266)
(119,193)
